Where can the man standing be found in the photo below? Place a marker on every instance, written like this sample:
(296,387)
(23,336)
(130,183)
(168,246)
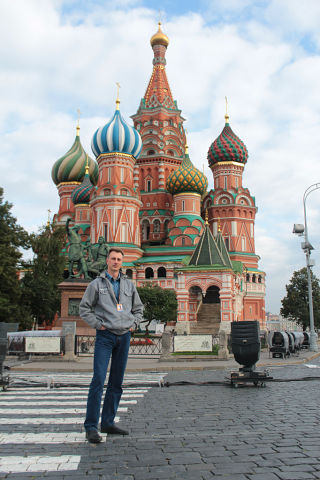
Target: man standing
(112,306)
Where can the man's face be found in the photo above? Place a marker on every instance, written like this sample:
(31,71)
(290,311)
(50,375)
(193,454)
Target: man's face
(114,262)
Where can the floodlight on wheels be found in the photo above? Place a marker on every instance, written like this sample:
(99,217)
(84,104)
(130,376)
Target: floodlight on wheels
(246,346)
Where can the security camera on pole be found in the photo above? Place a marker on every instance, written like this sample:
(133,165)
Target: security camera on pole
(306,246)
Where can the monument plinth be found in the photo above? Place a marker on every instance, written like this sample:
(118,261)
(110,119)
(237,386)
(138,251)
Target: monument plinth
(72,291)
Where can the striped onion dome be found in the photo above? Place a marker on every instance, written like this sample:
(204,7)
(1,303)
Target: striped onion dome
(227,147)
(187,178)
(116,136)
(81,194)
(71,167)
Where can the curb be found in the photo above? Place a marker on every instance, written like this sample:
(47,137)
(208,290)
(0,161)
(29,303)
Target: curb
(73,366)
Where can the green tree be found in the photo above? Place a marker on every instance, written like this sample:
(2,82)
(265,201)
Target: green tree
(44,272)
(159,304)
(295,305)
(13,238)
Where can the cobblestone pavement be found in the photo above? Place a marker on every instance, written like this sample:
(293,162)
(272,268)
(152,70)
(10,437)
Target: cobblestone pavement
(187,432)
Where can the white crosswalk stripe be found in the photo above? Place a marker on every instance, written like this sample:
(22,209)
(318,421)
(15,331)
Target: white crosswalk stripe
(36,408)
(74,402)
(16,464)
(81,379)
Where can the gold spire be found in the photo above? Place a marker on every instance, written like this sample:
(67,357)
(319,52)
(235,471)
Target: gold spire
(186,148)
(219,225)
(226,115)
(87,166)
(159,38)
(78,122)
(206,217)
(48,221)
(118,99)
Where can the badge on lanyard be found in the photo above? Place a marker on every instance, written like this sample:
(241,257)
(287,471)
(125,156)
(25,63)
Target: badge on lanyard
(119,307)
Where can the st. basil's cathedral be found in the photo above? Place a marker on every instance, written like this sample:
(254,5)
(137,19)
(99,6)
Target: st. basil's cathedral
(144,195)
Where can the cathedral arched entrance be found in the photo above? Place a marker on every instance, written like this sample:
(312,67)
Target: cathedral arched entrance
(212,295)
(195,301)
(207,312)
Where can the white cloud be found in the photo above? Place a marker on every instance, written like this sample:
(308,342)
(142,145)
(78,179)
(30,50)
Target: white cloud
(58,56)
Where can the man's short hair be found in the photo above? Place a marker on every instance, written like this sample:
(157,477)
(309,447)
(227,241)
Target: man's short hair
(115,249)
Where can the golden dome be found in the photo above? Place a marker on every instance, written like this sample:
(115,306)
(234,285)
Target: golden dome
(159,38)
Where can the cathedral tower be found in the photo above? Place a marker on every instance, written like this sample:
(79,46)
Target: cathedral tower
(160,125)
(67,173)
(232,211)
(115,203)
(187,184)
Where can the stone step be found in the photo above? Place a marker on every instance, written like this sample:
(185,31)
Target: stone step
(204,331)
(208,319)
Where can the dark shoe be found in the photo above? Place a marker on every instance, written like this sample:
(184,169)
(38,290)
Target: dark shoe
(114,430)
(93,436)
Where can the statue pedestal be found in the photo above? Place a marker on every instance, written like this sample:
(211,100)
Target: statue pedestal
(71,294)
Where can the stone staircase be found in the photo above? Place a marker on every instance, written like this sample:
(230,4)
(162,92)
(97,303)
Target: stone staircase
(208,319)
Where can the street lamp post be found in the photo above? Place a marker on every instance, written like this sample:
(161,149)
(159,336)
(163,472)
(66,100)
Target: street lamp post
(307,247)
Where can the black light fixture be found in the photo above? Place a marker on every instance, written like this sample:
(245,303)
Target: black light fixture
(246,346)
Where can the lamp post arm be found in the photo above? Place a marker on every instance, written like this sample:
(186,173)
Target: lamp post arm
(309,190)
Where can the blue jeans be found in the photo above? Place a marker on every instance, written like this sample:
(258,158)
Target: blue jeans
(117,347)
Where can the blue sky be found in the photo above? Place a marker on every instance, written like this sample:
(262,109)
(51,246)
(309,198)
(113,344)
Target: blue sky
(60,55)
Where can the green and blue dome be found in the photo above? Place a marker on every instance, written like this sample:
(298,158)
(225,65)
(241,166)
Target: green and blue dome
(72,166)
(81,194)
(227,147)
(187,178)
(116,137)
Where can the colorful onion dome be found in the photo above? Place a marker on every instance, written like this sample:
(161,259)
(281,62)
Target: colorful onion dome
(71,167)
(159,38)
(187,178)
(117,136)
(227,147)
(81,194)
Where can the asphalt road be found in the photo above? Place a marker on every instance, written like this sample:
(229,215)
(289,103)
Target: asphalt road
(199,430)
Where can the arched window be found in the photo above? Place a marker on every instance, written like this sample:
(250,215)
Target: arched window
(150,152)
(247,277)
(149,272)
(129,272)
(183,241)
(171,152)
(148,186)
(253,278)
(145,229)
(259,279)
(162,272)
(156,226)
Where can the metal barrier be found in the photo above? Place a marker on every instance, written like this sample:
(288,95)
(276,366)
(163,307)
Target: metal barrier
(145,346)
(84,345)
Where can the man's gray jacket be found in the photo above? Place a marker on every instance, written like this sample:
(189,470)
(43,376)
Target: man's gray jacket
(99,305)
